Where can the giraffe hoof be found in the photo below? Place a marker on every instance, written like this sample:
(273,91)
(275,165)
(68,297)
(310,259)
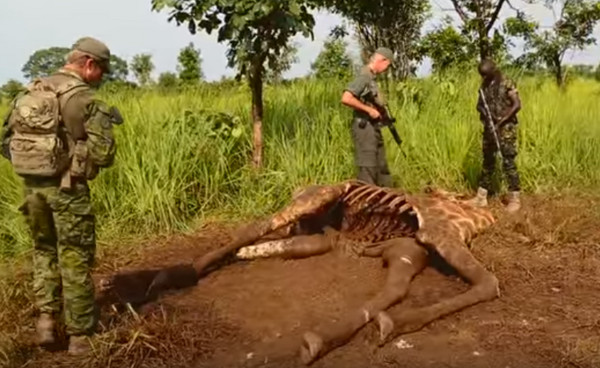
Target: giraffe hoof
(386,326)
(311,347)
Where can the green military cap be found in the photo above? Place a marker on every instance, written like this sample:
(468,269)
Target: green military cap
(386,53)
(94,48)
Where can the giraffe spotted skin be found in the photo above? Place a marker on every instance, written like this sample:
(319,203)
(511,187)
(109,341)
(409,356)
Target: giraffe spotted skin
(365,215)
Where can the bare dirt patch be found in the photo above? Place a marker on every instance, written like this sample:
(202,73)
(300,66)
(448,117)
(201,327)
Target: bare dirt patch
(252,314)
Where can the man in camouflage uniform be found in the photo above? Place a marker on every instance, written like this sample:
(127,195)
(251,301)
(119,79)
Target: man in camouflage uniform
(503,101)
(363,95)
(59,210)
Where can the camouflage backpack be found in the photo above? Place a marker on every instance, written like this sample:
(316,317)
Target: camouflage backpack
(37,144)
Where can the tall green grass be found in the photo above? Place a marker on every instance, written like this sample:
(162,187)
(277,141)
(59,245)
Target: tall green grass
(184,156)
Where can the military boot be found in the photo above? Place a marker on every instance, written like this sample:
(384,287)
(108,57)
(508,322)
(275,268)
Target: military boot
(514,203)
(45,329)
(79,345)
(481,199)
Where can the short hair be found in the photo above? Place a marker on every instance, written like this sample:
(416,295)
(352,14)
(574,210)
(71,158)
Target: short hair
(77,57)
(375,56)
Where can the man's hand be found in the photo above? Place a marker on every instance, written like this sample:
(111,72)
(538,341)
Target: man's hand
(511,110)
(501,121)
(349,100)
(374,113)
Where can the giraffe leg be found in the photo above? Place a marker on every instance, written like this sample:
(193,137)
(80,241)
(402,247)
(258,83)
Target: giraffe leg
(300,246)
(450,248)
(376,250)
(310,201)
(405,258)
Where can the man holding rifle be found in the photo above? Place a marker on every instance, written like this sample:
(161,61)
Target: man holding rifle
(498,105)
(370,114)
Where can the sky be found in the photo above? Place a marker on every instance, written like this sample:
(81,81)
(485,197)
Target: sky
(130,27)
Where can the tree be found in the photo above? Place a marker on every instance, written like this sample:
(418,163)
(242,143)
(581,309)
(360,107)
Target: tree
(45,62)
(167,80)
(288,57)
(597,73)
(583,70)
(256,32)
(390,23)
(11,89)
(573,30)
(447,48)
(190,65)
(333,61)
(142,67)
(118,69)
(478,19)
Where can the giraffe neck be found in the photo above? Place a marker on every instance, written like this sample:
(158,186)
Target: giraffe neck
(452,215)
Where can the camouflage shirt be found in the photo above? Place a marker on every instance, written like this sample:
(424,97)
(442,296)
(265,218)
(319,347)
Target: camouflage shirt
(364,88)
(497,95)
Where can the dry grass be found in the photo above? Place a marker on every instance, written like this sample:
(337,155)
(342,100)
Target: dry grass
(161,337)
(16,311)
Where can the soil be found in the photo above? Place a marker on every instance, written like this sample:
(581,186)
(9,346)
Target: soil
(253,314)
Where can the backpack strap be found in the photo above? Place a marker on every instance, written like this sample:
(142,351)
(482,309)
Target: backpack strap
(64,91)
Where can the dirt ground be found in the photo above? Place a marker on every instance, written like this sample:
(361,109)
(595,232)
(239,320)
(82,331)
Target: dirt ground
(253,314)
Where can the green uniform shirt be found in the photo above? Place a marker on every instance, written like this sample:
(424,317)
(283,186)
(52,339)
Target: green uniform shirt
(364,88)
(497,95)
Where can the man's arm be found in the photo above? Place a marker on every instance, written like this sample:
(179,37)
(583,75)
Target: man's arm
(356,88)
(479,106)
(514,108)
(75,113)
(350,100)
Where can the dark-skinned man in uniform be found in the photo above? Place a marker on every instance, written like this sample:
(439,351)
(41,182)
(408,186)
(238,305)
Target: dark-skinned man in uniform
(501,100)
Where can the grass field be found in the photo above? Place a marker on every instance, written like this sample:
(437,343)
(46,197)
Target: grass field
(183,157)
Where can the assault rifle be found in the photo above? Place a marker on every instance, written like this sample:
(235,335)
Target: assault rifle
(388,120)
(490,120)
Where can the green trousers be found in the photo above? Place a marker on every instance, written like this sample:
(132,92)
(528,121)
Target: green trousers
(369,153)
(62,225)
(507,137)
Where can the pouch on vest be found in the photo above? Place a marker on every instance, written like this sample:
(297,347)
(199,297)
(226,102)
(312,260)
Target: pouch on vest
(37,146)
(79,160)
(5,139)
(101,148)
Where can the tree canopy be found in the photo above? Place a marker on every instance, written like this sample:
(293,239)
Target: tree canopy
(118,69)
(142,66)
(390,23)
(256,32)
(11,89)
(333,61)
(190,65)
(44,62)
(447,48)
(573,30)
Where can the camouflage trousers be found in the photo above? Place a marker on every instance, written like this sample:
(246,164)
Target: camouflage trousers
(507,135)
(369,153)
(62,226)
